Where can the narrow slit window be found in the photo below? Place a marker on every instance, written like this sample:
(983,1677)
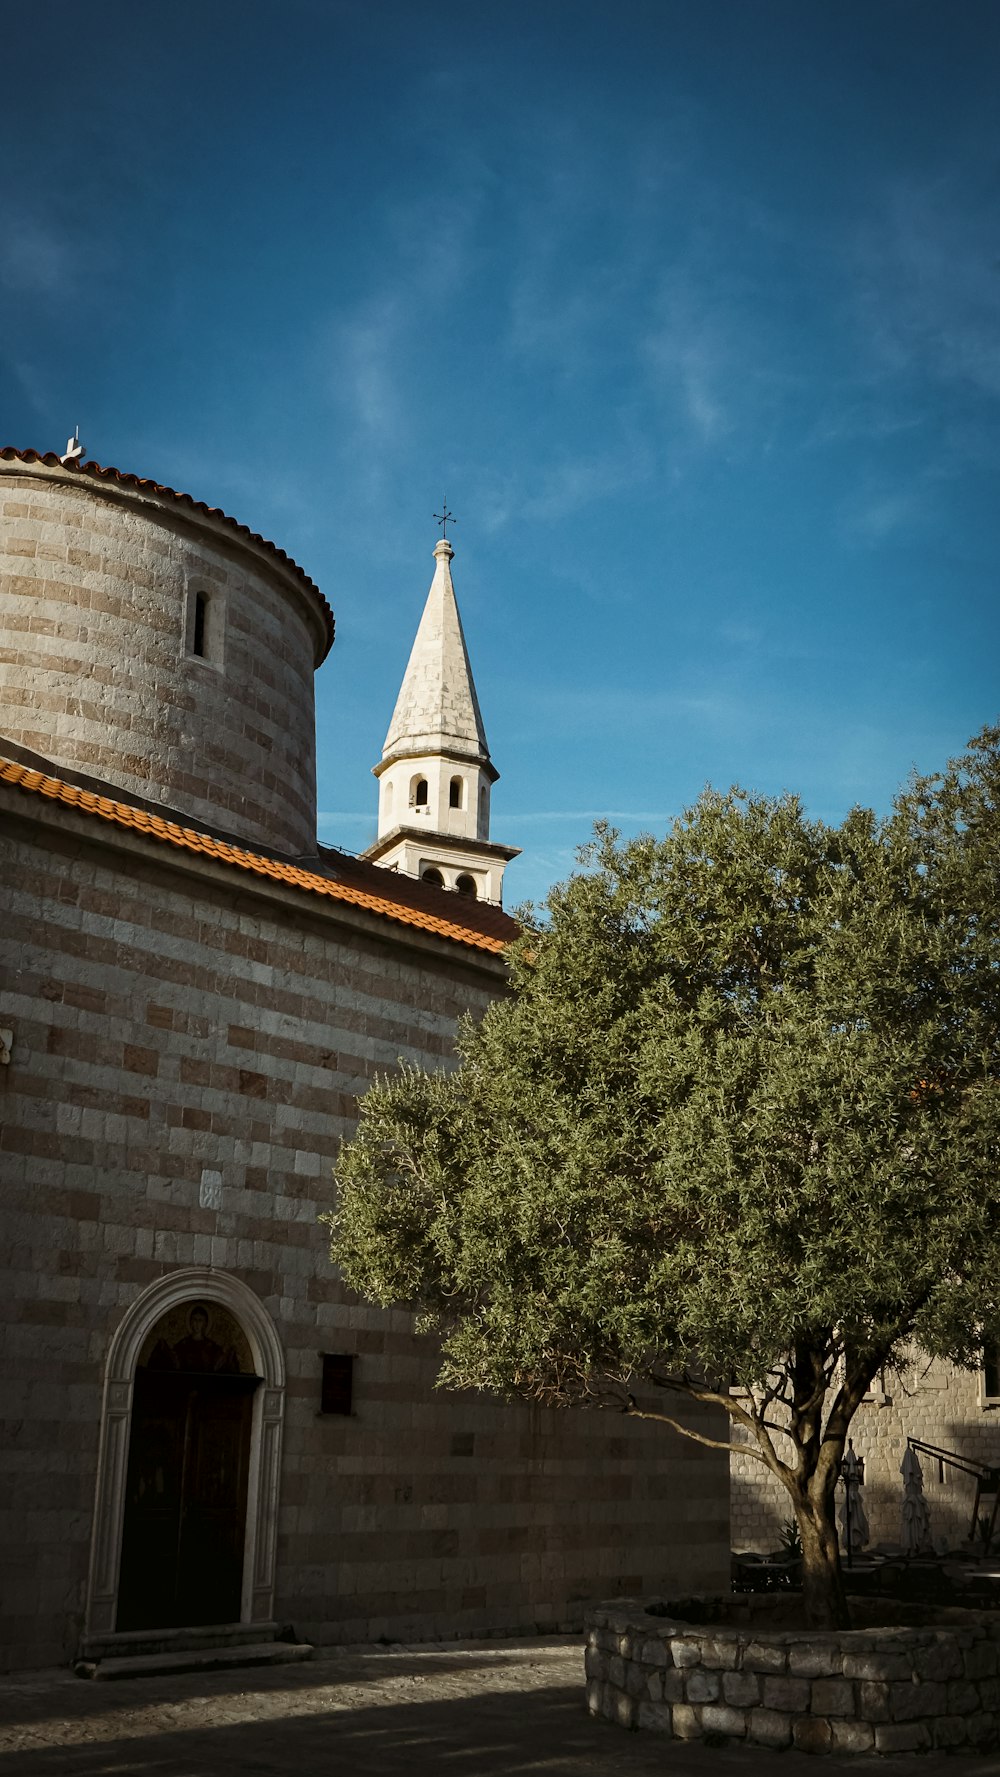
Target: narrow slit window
(198,632)
(204,633)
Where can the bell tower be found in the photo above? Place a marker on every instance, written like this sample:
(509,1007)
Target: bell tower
(436,774)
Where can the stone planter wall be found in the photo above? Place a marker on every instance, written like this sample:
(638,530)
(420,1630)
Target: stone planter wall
(857,1690)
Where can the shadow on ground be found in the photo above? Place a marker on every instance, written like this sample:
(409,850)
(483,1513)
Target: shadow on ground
(376,1715)
(30,1699)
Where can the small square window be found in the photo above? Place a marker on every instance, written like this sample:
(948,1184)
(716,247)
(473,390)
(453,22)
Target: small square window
(878,1390)
(338,1382)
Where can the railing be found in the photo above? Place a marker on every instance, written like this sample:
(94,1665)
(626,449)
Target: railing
(985,1475)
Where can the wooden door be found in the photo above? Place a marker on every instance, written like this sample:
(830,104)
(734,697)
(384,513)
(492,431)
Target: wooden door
(185,1500)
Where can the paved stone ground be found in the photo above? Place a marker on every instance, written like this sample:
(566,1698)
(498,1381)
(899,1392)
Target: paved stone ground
(505,1709)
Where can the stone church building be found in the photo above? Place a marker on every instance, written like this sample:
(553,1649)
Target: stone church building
(205,1435)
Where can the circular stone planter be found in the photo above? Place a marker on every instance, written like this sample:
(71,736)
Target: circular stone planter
(848,1690)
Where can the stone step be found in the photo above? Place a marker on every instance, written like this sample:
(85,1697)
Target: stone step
(165,1641)
(196,1659)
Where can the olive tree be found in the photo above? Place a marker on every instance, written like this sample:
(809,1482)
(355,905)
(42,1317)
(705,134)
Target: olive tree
(731,1135)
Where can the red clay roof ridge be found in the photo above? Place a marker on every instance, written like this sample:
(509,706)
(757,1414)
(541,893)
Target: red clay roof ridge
(191,839)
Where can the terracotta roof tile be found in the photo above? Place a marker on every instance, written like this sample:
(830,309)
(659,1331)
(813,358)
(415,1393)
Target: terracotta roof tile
(407,903)
(96,472)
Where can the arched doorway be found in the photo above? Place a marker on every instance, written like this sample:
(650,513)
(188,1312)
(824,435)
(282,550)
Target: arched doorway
(190,1449)
(188,1467)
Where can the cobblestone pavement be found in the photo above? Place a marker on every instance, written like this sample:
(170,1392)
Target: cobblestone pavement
(461,1710)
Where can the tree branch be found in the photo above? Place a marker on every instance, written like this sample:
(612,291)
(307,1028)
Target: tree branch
(764,1451)
(631,1411)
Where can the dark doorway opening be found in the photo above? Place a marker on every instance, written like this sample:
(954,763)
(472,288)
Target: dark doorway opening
(185,1500)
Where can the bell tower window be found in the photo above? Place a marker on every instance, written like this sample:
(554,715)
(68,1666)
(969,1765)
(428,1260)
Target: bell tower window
(466,885)
(418,792)
(455,793)
(434,877)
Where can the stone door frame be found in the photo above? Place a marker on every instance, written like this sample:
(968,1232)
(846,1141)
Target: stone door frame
(201,1283)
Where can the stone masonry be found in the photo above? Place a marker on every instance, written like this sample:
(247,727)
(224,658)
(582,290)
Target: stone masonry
(168,1026)
(188,1026)
(97,670)
(931,1401)
(853,1691)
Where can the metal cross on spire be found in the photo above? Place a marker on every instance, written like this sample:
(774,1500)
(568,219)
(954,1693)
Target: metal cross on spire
(444,518)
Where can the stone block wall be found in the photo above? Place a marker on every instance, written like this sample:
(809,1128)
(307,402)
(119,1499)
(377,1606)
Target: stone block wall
(851,1691)
(96,669)
(931,1401)
(171,1022)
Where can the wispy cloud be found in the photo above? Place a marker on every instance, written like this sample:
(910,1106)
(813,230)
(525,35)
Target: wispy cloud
(566,485)
(369,350)
(35,258)
(587,814)
(57,251)
(879,516)
(901,502)
(366,350)
(691,364)
(625,708)
(929,267)
(870,417)
(546,489)
(741,635)
(657,311)
(620,326)
(530,817)
(34,387)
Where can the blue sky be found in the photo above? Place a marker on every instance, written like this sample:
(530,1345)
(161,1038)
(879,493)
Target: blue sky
(692,310)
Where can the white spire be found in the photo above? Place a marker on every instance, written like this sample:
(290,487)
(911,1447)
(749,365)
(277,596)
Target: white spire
(435,775)
(437,709)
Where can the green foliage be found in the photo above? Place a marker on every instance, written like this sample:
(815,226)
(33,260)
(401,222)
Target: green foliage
(745,1089)
(738,1118)
(790,1542)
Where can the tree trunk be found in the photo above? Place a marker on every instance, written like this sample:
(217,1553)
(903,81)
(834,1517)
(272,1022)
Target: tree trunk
(823,1597)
